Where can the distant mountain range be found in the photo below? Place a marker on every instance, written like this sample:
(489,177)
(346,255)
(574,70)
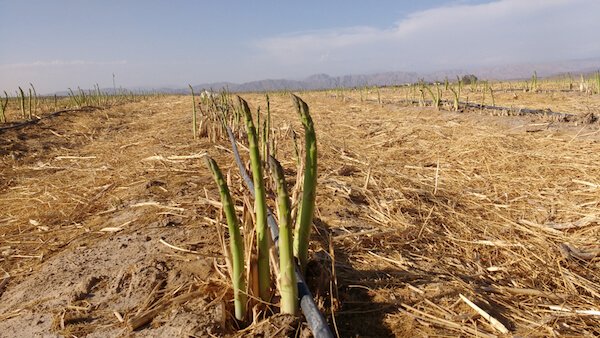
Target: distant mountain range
(324,81)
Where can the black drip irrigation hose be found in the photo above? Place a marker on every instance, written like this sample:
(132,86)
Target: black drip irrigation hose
(314,318)
(517,111)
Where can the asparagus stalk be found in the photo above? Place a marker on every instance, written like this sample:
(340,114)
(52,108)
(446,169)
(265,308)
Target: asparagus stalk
(194,114)
(270,146)
(455,93)
(3,105)
(287,276)
(22,100)
(314,318)
(309,185)
(35,100)
(29,104)
(236,244)
(260,205)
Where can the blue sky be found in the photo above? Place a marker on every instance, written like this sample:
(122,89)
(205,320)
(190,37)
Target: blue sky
(68,43)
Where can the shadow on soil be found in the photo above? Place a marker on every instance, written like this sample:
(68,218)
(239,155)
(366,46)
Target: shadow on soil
(366,298)
(361,311)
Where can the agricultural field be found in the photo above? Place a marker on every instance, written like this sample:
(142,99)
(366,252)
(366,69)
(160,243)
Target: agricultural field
(463,219)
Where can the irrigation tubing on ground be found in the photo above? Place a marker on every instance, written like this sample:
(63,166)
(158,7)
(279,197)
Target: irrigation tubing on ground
(518,111)
(314,318)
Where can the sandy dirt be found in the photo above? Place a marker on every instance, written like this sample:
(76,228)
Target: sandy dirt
(415,207)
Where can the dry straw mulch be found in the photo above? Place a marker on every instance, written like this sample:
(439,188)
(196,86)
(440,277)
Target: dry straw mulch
(429,210)
(435,223)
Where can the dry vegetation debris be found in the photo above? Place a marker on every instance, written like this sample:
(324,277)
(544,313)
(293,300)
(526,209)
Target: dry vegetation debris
(428,223)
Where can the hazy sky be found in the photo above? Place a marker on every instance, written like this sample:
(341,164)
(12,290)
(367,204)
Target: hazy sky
(68,43)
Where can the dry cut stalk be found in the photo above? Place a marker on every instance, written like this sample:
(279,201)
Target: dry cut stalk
(287,276)
(309,186)
(236,243)
(495,323)
(260,205)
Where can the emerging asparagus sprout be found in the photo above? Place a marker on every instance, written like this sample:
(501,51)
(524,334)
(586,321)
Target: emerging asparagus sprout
(287,276)
(236,244)
(194,114)
(29,104)
(22,100)
(307,206)
(435,96)
(260,205)
(534,82)
(456,94)
(293,290)
(3,105)
(35,99)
